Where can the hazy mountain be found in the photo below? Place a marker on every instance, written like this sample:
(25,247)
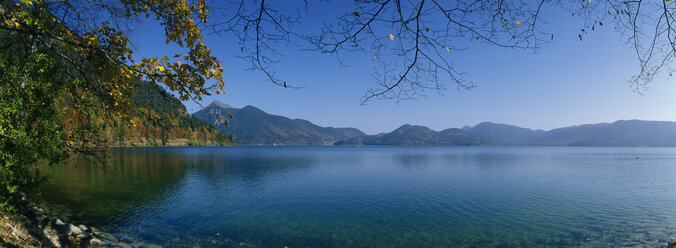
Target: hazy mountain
(408,135)
(252,126)
(619,133)
(503,133)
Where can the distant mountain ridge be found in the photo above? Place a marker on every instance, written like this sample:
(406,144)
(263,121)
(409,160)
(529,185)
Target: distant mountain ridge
(252,126)
(503,133)
(618,133)
(409,135)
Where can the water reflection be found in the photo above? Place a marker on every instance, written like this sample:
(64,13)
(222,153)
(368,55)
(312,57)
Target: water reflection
(375,196)
(83,192)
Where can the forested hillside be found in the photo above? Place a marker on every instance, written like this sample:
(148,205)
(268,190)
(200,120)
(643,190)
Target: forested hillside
(252,126)
(159,120)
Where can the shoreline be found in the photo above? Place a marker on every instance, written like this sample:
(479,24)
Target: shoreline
(32,227)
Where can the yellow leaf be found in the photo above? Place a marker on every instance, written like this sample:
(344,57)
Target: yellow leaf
(391,37)
(518,23)
(374,57)
(447,49)
(160,68)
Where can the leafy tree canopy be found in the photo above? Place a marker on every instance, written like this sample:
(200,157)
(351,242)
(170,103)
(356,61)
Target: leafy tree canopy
(62,60)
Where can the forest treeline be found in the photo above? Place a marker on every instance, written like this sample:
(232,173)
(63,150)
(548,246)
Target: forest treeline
(160,119)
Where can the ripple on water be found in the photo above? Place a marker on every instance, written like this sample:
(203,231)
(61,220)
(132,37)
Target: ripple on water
(379,197)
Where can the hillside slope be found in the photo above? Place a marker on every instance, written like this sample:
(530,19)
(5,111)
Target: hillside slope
(619,133)
(503,133)
(160,120)
(252,126)
(409,135)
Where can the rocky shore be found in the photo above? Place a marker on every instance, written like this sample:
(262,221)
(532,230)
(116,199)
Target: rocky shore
(34,228)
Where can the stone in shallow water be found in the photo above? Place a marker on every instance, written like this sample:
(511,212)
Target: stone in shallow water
(121,245)
(106,236)
(96,242)
(72,230)
(672,243)
(84,235)
(59,222)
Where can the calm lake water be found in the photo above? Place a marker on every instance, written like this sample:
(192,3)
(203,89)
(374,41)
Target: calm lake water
(375,196)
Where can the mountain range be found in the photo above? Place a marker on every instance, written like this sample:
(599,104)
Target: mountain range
(619,133)
(252,126)
(409,135)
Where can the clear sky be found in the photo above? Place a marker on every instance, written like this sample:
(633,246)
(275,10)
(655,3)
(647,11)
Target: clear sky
(566,82)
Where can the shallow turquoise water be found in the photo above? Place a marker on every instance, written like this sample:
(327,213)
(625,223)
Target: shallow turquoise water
(376,196)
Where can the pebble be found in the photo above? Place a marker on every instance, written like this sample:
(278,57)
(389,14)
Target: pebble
(59,222)
(107,236)
(73,230)
(121,245)
(96,242)
(83,227)
(84,235)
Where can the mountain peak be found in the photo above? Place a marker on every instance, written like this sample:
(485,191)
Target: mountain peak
(412,128)
(219,104)
(252,126)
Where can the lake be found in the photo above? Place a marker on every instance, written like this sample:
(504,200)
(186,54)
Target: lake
(375,196)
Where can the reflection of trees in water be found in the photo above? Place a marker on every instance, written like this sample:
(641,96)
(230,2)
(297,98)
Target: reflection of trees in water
(142,181)
(136,183)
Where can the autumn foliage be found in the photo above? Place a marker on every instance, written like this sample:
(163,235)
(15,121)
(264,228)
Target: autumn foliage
(68,77)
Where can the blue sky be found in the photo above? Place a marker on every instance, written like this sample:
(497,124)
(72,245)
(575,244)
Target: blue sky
(566,82)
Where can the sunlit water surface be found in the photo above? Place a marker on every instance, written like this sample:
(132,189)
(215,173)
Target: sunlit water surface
(375,196)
